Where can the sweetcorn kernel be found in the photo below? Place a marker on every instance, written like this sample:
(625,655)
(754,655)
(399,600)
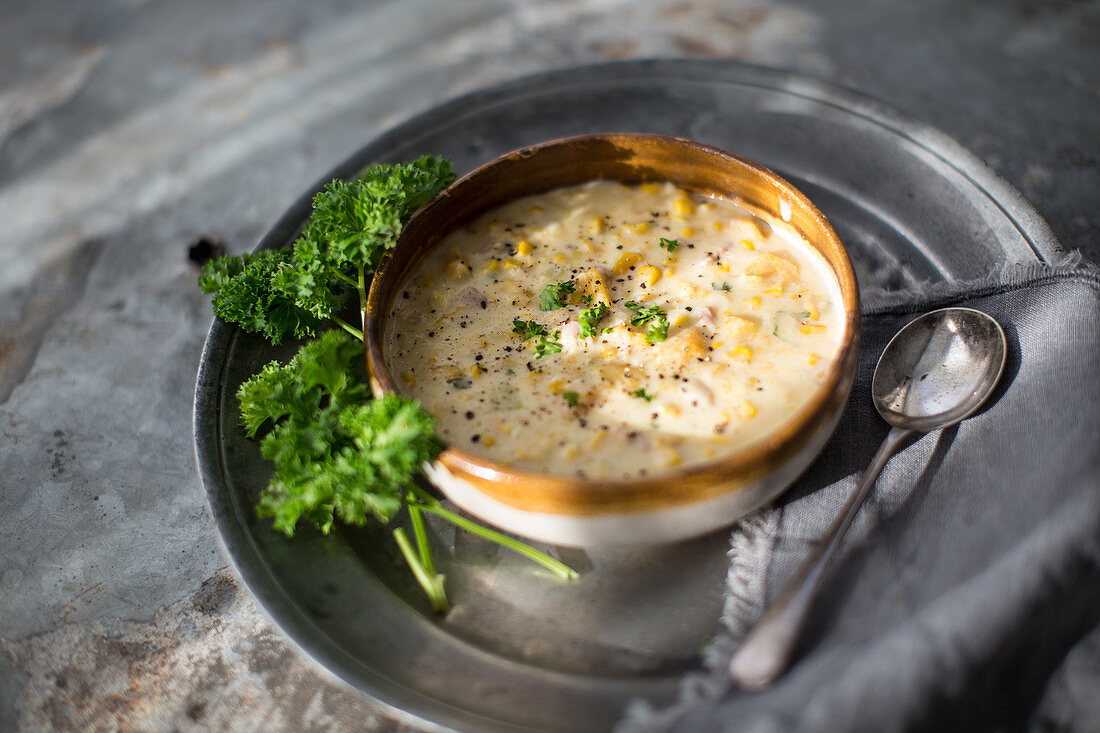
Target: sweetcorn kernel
(511,262)
(682,207)
(753,302)
(672,409)
(813,359)
(557,386)
(809,328)
(523,248)
(641,227)
(596,226)
(625,262)
(649,188)
(687,232)
(649,275)
(488,441)
(741,353)
(457,269)
(679,320)
(493,266)
(409,378)
(591,284)
(535,210)
(746,409)
(747,244)
(768,264)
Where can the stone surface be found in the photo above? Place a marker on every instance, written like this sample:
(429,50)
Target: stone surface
(130,129)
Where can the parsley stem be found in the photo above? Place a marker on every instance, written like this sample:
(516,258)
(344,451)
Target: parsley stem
(429,504)
(432,583)
(416,517)
(345,278)
(348,327)
(362,287)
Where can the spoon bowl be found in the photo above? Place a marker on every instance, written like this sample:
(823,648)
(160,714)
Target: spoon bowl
(937,370)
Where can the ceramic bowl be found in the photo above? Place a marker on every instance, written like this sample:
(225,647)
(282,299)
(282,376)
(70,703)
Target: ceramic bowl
(670,506)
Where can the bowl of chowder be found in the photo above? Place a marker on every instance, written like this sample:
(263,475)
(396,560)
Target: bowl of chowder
(626,338)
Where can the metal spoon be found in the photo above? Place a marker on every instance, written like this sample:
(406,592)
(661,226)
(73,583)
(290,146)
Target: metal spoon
(936,371)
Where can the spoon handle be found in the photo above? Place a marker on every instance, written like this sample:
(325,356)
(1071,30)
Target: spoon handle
(766,651)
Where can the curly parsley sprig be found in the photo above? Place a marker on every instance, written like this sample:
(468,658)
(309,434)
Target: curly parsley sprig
(290,293)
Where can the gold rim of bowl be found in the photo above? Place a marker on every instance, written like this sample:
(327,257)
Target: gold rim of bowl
(629,158)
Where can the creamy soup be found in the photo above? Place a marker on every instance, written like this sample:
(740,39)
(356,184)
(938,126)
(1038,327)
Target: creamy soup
(610,331)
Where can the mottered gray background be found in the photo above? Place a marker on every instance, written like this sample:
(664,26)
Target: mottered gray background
(129,129)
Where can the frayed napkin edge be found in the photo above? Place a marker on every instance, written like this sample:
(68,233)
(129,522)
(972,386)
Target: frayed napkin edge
(1010,275)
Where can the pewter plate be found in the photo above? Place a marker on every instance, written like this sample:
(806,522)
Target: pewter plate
(519,650)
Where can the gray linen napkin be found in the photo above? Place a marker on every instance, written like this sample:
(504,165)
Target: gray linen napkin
(970,582)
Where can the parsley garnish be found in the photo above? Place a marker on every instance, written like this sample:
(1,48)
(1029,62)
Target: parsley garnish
(571,398)
(551,297)
(545,346)
(723,286)
(669,244)
(528,329)
(338,454)
(289,293)
(658,329)
(589,318)
(547,342)
(643,394)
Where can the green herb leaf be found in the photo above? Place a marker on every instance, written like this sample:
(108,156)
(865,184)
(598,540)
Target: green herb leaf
(459,383)
(723,286)
(657,333)
(528,329)
(552,296)
(589,318)
(641,393)
(669,244)
(545,346)
(571,398)
(658,329)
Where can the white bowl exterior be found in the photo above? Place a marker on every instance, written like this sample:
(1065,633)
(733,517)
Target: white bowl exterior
(625,529)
